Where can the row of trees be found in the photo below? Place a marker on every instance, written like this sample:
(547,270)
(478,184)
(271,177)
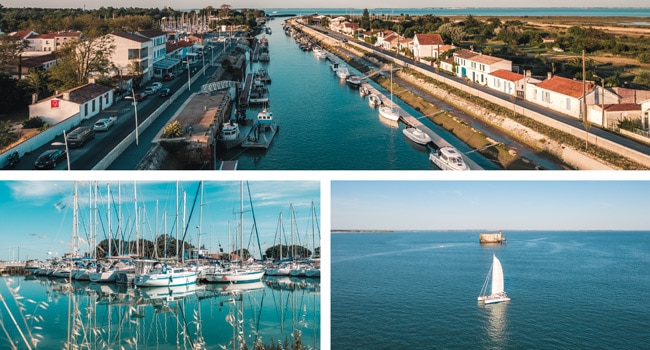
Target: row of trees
(166,246)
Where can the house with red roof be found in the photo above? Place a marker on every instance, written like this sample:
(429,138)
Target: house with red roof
(349,28)
(608,115)
(476,67)
(510,83)
(429,46)
(565,95)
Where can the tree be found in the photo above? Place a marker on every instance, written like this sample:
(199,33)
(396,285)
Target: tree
(78,59)
(452,33)
(10,52)
(365,20)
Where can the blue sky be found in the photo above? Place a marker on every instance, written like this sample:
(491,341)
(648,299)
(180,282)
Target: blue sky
(358,4)
(37,215)
(490,205)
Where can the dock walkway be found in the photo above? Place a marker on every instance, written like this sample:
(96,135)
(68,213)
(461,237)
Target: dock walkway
(412,121)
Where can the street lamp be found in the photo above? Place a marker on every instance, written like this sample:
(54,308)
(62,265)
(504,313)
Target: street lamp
(189,77)
(135,109)
(64,143)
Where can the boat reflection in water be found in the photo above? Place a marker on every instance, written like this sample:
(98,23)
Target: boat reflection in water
(496,323)
(237,316)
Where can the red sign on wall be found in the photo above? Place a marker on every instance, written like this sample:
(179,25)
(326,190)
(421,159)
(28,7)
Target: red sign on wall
(54,104)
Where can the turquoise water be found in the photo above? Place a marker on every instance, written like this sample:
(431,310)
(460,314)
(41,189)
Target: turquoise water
(326,125)
(213,316)
(417,290)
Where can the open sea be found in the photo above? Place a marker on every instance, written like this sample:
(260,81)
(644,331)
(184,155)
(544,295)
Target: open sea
(418,290)
(200,316)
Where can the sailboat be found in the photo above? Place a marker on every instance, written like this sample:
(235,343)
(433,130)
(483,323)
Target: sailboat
(389,112)
(497,294)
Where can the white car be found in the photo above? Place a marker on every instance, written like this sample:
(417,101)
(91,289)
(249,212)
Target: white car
(104,124)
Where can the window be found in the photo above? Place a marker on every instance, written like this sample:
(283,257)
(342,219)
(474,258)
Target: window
(568,104)
(93,109)
(85,109)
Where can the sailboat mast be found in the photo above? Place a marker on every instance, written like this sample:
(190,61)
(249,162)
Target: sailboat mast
(108,200)
(137,223)
(241,220)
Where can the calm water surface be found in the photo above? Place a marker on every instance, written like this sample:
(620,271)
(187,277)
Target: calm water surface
(213,316)
(326,125)
(417,290)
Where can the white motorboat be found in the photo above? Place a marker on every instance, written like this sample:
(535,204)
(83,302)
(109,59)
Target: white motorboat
(374,100)
(231,274)
(353,80)
(161,275)
(497,292)
(364,91)
(319,53)
(416,135)
(342,72)
(448,158)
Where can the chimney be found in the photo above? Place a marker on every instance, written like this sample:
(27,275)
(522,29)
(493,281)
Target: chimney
(528,73)
(34,98)
(549,75)
(66,96)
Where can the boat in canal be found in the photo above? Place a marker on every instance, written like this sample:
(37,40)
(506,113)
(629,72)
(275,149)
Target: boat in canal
(389,112)
(416,135)
(233,274)
(343,72)
(353,80)
(364,91)
(162,275)
(448,158)
(497,292)
(374,100)
(263,131)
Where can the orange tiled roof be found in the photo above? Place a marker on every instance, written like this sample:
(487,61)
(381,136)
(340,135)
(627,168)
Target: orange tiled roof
(485,59)
(466,54)
(507,75)
(430,39)
(566,86)
(622,107)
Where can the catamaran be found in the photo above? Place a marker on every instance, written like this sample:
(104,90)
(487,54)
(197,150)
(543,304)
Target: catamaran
(497,293)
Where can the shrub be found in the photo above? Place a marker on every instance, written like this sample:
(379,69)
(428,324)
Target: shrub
(33,123)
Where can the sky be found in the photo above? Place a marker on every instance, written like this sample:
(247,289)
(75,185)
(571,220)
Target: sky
(358,4)
(37,216)
(490,205)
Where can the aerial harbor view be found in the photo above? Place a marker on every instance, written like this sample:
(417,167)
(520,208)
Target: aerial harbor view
(155,264)
(363,88)
(489,265)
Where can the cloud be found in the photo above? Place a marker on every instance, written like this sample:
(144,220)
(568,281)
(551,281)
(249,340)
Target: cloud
(37,190)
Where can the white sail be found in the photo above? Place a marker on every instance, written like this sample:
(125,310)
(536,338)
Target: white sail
(497,276)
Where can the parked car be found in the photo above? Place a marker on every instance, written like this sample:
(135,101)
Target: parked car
(345,40)
(158,85)
(141,96)
(104,124)
(164,92)
(79,136)
(150,90)
(168,77)
(50,158)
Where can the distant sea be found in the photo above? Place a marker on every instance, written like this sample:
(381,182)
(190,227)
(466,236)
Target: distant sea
(418,290)
(476,11)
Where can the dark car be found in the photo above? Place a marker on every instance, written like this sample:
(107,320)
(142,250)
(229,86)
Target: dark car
(164,92)
(141,96)
(79,136)
(50,158)
(168,77)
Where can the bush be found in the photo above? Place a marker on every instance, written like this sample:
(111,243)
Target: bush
(644,57)
(172,130)
(33,123)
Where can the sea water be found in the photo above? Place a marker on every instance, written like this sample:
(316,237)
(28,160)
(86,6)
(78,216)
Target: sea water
(418,290)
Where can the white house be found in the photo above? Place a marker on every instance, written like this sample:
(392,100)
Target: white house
(508,82)
(608,115)
(82,102)
(162,63)
(132,52)
(645,114)
(566,95)
(427,45)
(476,66)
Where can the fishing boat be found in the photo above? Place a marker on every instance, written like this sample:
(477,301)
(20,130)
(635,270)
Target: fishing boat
(374,100)
(497,292)
(389,112)
(262,133)
(161,275)
(416,135)
(448,158)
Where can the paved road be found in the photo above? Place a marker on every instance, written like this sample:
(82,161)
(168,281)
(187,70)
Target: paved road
(86,157)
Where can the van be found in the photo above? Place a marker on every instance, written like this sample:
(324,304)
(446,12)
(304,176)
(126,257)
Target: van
(79,136)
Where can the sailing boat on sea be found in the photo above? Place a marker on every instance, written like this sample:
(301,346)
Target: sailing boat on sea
(389,112)
(497,293)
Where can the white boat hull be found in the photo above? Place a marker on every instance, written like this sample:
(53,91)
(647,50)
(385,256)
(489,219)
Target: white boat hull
(164,279)
(234,276)
(388,113)
(416,135)
(444,161)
